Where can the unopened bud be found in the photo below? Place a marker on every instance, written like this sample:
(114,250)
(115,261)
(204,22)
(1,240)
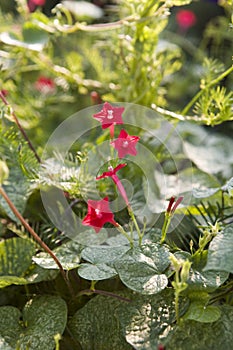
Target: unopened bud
(4,171)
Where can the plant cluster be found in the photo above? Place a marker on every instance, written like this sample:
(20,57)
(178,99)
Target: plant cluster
(116,230)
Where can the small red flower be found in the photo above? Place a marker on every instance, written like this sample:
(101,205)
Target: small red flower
(4,92)
(45,85)
(32,4)
(125,144)
(171,208)
(109,115)
(186,19)
(112,173)
(98,213)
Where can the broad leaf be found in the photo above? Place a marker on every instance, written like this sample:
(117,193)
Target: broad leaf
(148,318)
(15,259)
(95,326)
(221,251)
(104,254)
(96,272)
(141,269)
(42,318)
(198,311)
(206,280)
(196,335)
(68,254)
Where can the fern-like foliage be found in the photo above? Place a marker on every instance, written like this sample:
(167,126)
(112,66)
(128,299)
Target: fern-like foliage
(215,106)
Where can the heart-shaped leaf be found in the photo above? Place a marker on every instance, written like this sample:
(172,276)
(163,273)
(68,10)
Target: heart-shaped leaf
(95,326)
(42,318)
(141,268)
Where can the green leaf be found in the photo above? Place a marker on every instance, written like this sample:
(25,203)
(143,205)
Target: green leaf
(95,326)
(198,311)
(196,335)
(220,252)
(141,269)
(15,259)
(88,238)
(102,259)
(148,318)
(96,272)
(37,274)
(206,280)
(8,280)
(212,161)
(42,317)
(104,254)
(68,254)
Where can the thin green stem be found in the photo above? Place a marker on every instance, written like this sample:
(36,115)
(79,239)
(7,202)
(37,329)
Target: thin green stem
(37,238)
(177,307)
(140,235)
(166,224)
(121,230)
(200,92)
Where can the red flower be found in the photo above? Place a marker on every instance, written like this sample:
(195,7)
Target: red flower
(98,213)
(109,115)
(186,19)
(45,85)
(32,4)
(125,144)
(4,92)
(112,173)
(171,208)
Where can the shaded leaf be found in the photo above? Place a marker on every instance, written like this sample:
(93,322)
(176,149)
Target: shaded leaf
(198,311)
(220,251)
(43,318)
(196,335)
(96,327)
(148,318)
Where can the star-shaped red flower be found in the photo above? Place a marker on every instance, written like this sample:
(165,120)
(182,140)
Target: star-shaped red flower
(109,115)
(125,144)
(98,213)
(111,172)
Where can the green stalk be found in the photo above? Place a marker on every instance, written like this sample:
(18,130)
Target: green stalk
(213,82)
(166,224)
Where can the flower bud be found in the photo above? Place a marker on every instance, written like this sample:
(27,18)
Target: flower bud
(4,172)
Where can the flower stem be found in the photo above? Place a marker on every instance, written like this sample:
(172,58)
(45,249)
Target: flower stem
(166,224)
(121,230)
(23,132)
(140,235)
(37,238)
(200,92)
